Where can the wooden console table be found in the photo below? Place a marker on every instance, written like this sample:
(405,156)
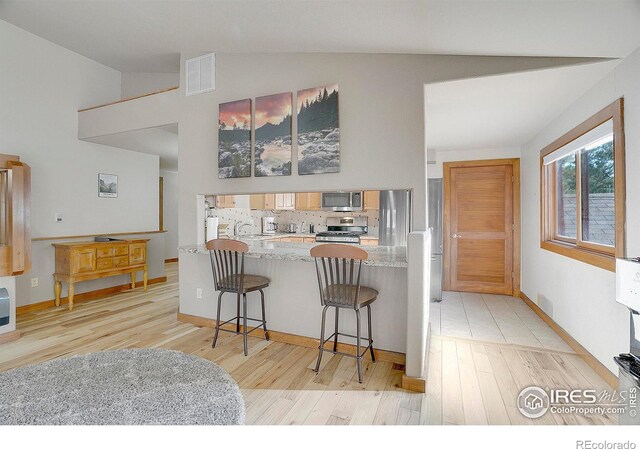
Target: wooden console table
(83,261)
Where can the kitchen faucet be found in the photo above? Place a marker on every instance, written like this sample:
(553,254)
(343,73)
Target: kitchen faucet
(237,227)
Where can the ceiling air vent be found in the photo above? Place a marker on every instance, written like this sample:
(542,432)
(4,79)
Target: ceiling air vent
(201,74)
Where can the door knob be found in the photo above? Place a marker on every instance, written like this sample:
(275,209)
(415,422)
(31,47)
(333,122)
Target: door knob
(455,236)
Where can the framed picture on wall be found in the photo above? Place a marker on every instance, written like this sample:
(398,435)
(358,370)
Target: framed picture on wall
(107,185)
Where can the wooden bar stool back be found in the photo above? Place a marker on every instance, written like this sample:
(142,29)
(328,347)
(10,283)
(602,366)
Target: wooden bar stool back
(227,265)
(338,268)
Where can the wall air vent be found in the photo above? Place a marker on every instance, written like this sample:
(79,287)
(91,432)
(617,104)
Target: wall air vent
(200,74)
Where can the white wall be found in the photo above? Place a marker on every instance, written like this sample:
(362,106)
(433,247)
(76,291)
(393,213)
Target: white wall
(170,185)
(578,296)
(140,83)
(42,88)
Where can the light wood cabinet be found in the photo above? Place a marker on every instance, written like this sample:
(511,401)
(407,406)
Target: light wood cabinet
(308,201)
(262,201)
(269,201)
(77,262)
(15,210)
(256,202)
(225,201)
(285,201)
(371,200)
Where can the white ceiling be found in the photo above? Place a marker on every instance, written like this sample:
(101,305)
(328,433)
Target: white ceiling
(161,141)
(148,36)
(505,111)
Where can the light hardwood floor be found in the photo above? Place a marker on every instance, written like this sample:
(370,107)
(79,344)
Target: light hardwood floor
(470,381)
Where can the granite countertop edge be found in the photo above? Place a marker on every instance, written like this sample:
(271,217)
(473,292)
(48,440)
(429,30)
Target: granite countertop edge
(392,257)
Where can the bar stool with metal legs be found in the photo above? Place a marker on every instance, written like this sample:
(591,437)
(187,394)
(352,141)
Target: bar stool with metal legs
(338,268)
(227,264)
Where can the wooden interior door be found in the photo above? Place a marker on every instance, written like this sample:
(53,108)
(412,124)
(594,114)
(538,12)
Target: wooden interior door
(480,226)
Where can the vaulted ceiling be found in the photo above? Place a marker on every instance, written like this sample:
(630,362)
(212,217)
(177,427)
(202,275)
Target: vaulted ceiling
(148,36)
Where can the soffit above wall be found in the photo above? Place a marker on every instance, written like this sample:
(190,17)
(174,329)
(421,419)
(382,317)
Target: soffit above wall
(161,141)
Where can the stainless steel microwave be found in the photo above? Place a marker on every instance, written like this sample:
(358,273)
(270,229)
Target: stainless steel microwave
(342,201)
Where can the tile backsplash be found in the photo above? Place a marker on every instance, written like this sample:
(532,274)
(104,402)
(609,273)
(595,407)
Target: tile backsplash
(317,218)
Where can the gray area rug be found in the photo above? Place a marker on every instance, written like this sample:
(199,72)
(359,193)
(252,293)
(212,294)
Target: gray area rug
(128,386)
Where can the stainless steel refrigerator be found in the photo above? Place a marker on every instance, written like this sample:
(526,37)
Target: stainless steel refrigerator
(395,217)
(435,193)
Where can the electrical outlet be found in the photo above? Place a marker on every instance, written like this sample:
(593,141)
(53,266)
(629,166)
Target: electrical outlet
(58,218)
(34,282)
(198,293)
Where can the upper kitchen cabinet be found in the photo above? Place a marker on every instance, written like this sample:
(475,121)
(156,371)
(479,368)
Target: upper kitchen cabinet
(262,201)
(256,201)
(15,212)
(371,200)
(308,201)
(285,201)
(225,201)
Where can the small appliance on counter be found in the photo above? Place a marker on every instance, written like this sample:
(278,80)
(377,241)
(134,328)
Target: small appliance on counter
(344,230)
(292,228)
(628,294)
(269,225)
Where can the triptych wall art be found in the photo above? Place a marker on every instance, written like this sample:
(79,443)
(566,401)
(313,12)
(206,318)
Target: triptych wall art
(318,134)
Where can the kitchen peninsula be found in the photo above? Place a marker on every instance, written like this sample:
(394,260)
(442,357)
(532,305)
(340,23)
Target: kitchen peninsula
(280,230)
(292,301)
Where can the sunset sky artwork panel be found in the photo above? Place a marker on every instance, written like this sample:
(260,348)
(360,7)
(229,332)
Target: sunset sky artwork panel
(234,139)
(272,152)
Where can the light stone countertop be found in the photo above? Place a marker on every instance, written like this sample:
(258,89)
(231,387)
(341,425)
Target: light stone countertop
(379,256)
(280,235)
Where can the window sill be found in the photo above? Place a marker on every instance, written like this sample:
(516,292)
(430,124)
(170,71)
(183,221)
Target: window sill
(605,261)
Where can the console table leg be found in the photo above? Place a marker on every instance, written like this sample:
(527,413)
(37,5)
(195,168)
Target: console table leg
(71,291)
(133,280)
(57,289)
(145,278)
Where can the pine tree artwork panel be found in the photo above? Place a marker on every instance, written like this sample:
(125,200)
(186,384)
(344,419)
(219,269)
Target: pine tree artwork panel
(318,130)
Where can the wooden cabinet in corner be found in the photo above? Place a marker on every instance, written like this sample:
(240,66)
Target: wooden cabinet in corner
(84,261)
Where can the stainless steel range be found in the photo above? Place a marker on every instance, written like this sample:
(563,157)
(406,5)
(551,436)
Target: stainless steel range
(344,230)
